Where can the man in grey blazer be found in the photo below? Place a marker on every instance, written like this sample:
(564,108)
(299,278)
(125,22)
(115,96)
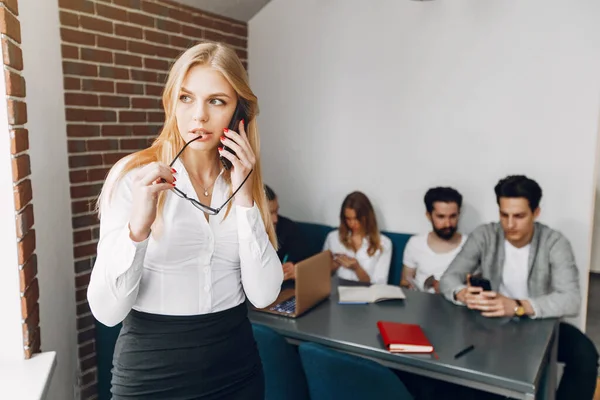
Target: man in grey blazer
(533,274)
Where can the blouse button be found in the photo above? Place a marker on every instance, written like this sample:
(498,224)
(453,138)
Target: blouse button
(206,288)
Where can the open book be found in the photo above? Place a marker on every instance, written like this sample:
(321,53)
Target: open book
(370,294)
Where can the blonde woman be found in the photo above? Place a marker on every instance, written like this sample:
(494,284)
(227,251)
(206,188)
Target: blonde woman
(361,252)
(183,240)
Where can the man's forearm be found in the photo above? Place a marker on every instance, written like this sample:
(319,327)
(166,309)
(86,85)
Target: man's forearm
(556,305)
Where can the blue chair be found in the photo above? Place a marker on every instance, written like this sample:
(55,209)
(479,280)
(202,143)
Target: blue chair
(284,376)
(399,241)
(335,375)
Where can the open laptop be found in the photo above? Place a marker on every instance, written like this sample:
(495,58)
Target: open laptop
(312,286)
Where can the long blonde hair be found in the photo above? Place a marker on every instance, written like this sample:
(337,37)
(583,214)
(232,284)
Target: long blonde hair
(169,142)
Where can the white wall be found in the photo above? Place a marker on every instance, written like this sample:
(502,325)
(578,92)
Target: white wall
(394,96)
(50,181)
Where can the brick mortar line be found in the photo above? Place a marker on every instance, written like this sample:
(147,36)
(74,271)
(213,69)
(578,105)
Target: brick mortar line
(113,64)
(85,314)
(5,36)
(115,36)
(80,245)
(95,152)
(22,153)
(8,9)
(117,80)
(102,108)
(83,228)
(87,341)
(148,14)
(75,230)
(84,198)
(23,179)
(84,214)
(82,259)
(84,244)
(128,53)
(15,98)
(13,70)
(146,41)
(141,96)
(82,274)
(82,91)
(98,138)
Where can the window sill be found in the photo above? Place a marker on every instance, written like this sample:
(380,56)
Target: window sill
(27,379)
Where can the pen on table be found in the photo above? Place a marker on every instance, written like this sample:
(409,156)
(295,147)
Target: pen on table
(463,352)
(285,259)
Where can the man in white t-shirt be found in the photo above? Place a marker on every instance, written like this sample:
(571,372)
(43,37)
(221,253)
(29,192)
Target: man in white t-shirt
(427,256)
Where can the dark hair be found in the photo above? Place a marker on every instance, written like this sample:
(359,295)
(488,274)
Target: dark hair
(361,204)
(519,186)
(443,194)
(270,193)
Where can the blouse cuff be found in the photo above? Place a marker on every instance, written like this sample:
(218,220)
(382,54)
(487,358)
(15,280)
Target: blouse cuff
(251,229)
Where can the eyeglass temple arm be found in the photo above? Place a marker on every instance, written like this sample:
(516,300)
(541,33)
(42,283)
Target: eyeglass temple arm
(236,190)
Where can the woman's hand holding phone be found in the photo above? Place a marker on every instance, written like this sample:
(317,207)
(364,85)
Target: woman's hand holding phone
(242,163)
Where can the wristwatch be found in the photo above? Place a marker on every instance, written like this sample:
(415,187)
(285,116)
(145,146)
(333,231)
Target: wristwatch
(519,309)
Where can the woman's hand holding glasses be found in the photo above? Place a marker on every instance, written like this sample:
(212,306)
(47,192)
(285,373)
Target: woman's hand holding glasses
(148,182)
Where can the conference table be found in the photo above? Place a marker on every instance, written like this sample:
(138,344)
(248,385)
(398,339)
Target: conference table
(511,357)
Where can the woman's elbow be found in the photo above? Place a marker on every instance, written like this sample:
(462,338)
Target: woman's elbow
(102,310)
(104,316)
(263,299)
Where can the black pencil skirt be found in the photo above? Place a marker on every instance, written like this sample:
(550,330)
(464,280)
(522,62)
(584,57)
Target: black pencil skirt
(211,356)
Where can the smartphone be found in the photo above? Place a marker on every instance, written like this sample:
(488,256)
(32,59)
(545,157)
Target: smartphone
(234,125)
(479,281)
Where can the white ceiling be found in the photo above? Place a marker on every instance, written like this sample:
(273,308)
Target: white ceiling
(242,10)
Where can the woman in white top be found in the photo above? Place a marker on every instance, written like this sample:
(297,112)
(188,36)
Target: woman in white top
(361,252)
(184,237)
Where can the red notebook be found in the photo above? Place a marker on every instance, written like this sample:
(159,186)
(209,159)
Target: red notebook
(404,338)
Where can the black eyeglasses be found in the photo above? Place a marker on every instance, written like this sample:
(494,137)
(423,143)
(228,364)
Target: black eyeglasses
(203,207)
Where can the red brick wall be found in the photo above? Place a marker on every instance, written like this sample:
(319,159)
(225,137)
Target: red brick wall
(10,30)
(116,55)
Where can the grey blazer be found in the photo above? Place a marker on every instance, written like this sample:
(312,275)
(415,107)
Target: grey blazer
(553,281)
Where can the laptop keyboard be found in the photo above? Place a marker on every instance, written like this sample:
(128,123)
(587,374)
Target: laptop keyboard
(288,306)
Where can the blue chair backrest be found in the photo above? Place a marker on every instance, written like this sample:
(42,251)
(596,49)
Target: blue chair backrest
(284,376)
(335,375)
(106,338)
(399,241)
(315,234)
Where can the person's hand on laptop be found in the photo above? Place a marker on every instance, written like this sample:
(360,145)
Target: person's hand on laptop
(289,272)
